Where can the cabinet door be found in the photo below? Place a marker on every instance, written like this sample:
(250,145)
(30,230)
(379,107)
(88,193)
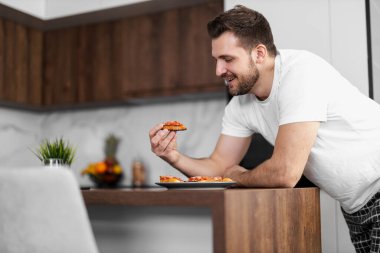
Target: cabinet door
(60,67)
(20,64)
(97,64)
(166,53)
(157,54)
(196,66)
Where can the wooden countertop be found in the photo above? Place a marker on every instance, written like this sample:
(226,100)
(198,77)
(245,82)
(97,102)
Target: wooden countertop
(153,196)
(244,220)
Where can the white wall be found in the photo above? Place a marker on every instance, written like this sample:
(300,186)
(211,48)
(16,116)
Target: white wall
(375,24)
(335,30)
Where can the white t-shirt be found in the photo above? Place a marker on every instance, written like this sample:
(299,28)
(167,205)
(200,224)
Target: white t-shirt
(345,159)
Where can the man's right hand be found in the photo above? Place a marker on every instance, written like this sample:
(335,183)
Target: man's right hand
(163,144)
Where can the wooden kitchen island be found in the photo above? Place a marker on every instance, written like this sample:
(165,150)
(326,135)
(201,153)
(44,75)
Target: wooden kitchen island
(244,220)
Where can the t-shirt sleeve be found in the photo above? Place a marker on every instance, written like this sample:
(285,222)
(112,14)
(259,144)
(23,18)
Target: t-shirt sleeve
(234,122)
(302,96)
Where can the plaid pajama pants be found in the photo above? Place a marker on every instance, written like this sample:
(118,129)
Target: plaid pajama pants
(364,226)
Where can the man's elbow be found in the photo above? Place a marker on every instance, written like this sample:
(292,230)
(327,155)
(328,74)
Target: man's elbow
(289,177)
(288,183)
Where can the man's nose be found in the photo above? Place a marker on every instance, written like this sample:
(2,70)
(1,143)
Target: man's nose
(220,68)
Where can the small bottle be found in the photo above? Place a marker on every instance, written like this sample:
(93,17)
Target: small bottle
(138,174)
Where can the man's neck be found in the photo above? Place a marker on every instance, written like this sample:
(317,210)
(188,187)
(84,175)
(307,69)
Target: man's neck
(263,86)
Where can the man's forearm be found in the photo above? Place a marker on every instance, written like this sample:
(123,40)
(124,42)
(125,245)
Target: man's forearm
(267,174)
(198,166)
(292,148)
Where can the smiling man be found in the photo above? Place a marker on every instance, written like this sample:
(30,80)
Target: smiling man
(320,124)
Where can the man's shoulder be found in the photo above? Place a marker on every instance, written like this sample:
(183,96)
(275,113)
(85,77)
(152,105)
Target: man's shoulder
(294,54)
(292,58)
(288,51)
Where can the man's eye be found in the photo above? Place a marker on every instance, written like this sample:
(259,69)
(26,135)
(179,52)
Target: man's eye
(228,59)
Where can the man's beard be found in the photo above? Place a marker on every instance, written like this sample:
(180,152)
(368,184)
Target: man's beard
(245,81)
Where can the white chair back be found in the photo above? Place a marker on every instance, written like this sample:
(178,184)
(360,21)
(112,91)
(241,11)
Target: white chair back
(42,211)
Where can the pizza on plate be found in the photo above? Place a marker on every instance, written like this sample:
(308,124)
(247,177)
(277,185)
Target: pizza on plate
(170,179)
(174,126)
(227,179)
(196,179)
(205,179)
(209,179)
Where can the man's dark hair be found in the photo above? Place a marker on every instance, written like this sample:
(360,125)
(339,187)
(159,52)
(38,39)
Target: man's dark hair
(249,26)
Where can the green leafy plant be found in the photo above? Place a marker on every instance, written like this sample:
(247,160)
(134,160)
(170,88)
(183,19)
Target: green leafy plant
(57,149)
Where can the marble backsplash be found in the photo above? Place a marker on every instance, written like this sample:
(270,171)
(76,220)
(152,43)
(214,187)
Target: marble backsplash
(22,131)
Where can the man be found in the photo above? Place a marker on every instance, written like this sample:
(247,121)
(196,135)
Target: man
(320,125)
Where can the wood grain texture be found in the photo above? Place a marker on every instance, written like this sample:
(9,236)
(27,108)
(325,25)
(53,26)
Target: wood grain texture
(152,197)
(158,54)
(60,67)
(152,55)
(273,220)
(20,64)
(2,60)
(244,220)
(35,68)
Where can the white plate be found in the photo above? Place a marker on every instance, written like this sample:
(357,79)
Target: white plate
(197,185)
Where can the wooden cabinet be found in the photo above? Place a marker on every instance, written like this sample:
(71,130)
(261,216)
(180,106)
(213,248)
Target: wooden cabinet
(158,54)
(20,64)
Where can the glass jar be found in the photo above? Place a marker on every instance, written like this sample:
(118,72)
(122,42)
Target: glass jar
(138,174)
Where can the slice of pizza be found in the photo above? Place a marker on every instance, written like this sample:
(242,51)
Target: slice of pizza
(174,126)
(170,179)
(203,179)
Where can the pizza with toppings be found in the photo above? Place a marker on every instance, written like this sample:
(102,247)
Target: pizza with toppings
(209,179)
(174,126)
(227,179)
(170,179)
(199,179)
(205,179)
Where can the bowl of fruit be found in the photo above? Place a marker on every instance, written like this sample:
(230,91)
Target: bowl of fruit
(107,173)
(104,174)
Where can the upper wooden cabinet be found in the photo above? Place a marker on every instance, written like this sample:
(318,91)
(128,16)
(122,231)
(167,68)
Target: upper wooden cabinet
(158,54)
(20,64)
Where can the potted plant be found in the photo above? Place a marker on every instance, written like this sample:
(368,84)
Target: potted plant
(55,153)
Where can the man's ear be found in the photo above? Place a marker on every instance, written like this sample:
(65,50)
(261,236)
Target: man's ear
(259,53)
